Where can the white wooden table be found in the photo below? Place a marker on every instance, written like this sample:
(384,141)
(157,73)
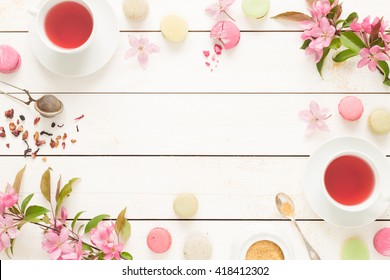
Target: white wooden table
(232,136)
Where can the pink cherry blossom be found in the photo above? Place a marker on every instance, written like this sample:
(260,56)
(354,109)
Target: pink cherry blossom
(8,199)
(77,253)
(8,231)
(142,48)
(57,244)
(371,57)
(323,7)
(103,234)
(112,251)
(315,117)
(322,35)
(365,26)
(216,10)
(317,53)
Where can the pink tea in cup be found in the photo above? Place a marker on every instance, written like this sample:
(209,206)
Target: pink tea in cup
(349,180)
(68,25)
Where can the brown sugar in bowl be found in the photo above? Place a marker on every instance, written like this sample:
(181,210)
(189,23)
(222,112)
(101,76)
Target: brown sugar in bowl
(264,250)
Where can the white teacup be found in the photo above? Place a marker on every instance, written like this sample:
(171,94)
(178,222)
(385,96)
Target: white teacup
(64,26)
(352,182)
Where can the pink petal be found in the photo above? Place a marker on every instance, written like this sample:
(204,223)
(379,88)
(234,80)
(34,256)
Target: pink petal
(306,24)
(311,127)
(381,56)
(375,49)
(152,48)
(55,255)
(321,125)
(130,53)
(133,41)
(143,41)
(365,52)
(314,108)
(213,10)
(226,3)
(363,62)
(372,65)
(306,115)
(143,59)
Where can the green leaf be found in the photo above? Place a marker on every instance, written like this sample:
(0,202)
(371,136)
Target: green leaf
(25,202)
(87,247)
(320,63)
(349,20)
(305,44)
(126,231)
(93,223)
(292,16)
(120,221)
(46,185)
(385,69)
(352,41)
(46,219)
(66,190)
(387,82)
(76,218)
(344,55)
(126,256)
(18,180)
(33,212)
(335,44)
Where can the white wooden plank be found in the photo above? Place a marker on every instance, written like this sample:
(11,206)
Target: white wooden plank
(14,14)
(227,188)
(191,124)
(262,62)
(227,239)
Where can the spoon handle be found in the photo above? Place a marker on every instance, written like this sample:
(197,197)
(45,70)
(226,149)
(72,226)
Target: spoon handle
(312,253)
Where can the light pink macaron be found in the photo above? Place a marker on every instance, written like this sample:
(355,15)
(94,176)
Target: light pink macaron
(227,32)
(351,108)
(159,240)
(382,242)
(9,59)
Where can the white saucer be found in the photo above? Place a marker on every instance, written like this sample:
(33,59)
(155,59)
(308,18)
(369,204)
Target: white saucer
(315,193)
(94,57)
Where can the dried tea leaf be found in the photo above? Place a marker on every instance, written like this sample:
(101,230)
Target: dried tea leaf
(292,16)
(46,184)
(18,180)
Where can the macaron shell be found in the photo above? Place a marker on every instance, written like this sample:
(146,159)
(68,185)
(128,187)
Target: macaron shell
(136,9)
(354,249)
(255,8)
(382,242)
(227,32)
(351,108)
(159,240)
(379,122)
(197,248)
(9,59)
(174,28)
(185,205)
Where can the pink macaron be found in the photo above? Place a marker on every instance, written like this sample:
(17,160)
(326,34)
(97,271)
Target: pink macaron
(351,108)
(382,242)
(9,59)
(159,240)
(227,32)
